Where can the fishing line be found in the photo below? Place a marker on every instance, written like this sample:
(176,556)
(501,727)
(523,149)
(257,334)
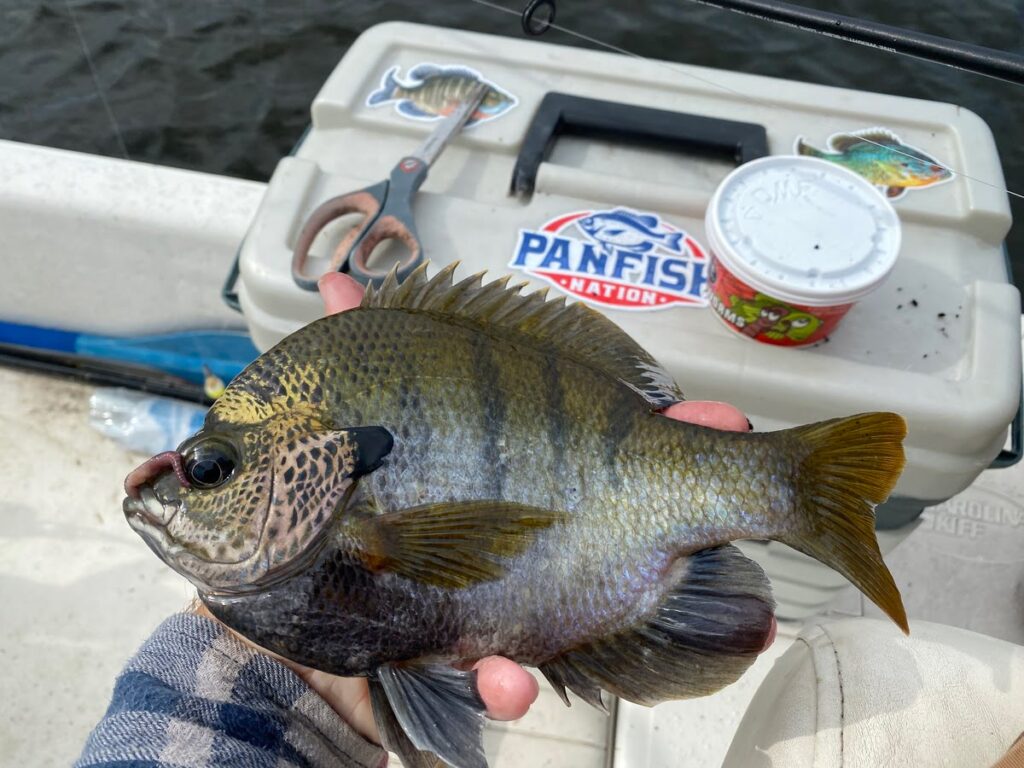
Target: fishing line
(678,69)
(96,81)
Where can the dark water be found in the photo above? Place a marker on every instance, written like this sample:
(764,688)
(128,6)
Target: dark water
(224,85)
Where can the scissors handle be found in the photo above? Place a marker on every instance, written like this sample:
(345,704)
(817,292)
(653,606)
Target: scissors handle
(394,222)
(367,201)
(387,208)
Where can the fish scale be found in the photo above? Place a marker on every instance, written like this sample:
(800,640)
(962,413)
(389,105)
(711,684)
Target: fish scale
(496,479)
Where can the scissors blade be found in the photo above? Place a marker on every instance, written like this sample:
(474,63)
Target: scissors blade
(451,125)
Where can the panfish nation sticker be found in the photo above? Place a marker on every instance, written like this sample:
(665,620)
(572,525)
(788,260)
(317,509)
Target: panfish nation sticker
(620,259)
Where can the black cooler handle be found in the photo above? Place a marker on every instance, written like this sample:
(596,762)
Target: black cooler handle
(561,114)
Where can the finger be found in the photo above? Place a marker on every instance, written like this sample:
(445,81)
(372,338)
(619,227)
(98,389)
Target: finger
(507,689)
(771,635)
(709,413)
(339,292)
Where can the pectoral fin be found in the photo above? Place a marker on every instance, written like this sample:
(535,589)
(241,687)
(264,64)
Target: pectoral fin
(450,545)
(440,711)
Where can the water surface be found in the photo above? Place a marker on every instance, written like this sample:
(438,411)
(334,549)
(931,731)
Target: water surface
(225,86)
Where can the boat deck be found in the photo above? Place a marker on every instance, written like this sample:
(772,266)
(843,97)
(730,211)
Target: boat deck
(81,591)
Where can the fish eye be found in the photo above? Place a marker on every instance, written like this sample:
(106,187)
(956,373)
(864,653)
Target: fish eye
(210,463)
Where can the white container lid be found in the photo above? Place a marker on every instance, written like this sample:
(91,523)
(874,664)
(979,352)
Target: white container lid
(803,230)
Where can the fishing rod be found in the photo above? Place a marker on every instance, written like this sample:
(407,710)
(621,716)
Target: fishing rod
(538,16)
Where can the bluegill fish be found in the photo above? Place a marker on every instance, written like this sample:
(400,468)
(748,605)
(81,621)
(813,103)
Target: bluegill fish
(432,92)
(883,160)
(629,230)
(452,471)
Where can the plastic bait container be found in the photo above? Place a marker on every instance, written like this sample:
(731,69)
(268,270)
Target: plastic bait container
(795,243)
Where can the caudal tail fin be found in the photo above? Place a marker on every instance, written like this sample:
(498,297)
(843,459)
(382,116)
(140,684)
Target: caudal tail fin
(803,148)
(673,241)
(851,465)
(386,92)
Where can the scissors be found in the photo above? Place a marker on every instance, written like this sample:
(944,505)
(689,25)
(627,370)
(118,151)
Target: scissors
(387,207)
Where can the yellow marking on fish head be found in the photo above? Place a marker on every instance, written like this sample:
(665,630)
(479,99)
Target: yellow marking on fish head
(291,391)
(238,406)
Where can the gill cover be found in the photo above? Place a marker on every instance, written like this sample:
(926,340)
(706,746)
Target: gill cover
(258,523)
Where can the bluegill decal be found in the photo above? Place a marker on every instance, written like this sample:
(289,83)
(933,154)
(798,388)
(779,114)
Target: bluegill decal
(627,229)
(881,157)
(433,91)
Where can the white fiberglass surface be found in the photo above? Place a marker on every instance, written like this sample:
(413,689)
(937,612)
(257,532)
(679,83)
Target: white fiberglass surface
(81,591)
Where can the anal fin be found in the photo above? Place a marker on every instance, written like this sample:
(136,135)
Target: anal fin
(563,675)
(439,710)
(705,633)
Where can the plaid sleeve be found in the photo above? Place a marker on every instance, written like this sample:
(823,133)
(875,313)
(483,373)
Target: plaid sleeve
(195,696)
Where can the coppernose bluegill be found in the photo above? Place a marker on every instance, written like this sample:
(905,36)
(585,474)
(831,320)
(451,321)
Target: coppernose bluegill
(456,470)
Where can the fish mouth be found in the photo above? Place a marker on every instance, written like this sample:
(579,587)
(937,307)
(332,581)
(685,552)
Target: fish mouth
(150,514)
(149,508)
(152,469)
(149,518)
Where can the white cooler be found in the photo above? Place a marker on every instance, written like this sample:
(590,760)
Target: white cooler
(596,135)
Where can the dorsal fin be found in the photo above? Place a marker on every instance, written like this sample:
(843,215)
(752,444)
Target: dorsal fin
(840,142)
(879,135)
(574,329)
(646,220)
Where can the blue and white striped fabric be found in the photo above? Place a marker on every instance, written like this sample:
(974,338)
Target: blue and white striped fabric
(195,696)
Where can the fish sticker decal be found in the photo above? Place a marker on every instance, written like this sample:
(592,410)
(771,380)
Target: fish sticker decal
(881,157)
(433,91)
(618,259)
(628,230)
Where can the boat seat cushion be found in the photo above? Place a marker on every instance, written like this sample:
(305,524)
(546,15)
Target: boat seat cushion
(859,693)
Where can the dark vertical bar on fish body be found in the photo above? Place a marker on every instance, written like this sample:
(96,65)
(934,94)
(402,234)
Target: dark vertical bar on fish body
(622,417)
(557,417)
(973,58)
(493,413)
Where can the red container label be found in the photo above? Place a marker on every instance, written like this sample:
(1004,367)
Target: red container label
(766,319)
